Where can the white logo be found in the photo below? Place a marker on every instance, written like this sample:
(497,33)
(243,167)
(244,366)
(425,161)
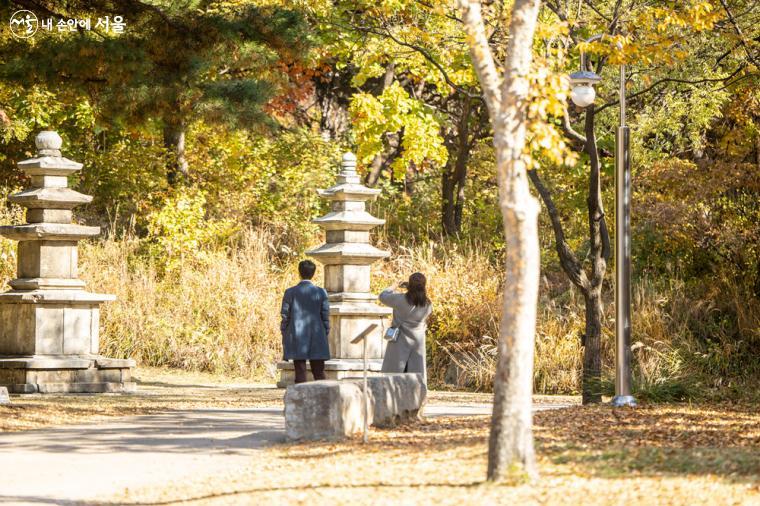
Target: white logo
(24,24)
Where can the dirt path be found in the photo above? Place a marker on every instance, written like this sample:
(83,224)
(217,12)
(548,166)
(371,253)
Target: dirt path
(94,461)
(91,462)
(192,428)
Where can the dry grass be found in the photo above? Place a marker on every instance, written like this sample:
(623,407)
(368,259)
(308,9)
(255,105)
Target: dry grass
(218,314)
(665,455)
(466,289)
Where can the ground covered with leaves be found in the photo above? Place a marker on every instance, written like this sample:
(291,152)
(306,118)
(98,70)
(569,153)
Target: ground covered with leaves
(158,390)
(656,454)
(661,454)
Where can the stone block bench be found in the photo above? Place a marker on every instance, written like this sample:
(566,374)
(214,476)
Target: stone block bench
(334,409)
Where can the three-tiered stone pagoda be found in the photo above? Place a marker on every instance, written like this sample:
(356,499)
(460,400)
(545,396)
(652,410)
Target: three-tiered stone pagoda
(49,324)
(347,256)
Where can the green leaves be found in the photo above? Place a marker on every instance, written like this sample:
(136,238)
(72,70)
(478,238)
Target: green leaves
(394,111)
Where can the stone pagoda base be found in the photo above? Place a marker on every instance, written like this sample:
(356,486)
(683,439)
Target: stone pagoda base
(335,369)
(49,342)
(49,324)
(66,374)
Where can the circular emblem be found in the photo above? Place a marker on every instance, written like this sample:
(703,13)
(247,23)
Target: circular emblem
(24,24)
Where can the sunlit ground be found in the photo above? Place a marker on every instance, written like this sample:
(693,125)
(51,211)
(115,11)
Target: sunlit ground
(661,454)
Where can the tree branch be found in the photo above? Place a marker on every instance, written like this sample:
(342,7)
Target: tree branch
(567,259)
(482,57)
(670,80)
(568,128)
(422,51)
(732,20)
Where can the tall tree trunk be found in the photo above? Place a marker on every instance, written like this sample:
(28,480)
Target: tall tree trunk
(174,142)
(454,178)
(333,91)
(380,161)
(600,252)
(511,439)
(592,340)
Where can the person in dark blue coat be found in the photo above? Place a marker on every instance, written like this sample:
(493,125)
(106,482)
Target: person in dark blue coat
(306,324)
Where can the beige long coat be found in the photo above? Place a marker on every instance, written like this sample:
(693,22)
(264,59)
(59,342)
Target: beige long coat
(407,353)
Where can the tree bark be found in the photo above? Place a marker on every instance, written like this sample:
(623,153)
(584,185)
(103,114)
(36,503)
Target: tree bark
(333,91)
(380,161)
(174,142)
(454,177)
(511,438)
(592,341)
(600,252)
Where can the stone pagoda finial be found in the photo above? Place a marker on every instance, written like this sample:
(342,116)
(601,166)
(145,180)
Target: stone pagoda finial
(347,255)
(49,143)
(348,170)
(52,343)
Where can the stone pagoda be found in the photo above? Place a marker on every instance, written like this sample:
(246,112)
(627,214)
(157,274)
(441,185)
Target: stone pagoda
(48,322)
(347,255)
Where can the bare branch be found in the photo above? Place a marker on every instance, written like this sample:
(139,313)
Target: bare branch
(567,259)
(568,128)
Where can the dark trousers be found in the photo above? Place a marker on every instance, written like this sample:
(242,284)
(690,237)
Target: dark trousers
(317,370)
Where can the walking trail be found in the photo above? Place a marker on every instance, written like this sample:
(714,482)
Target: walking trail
(90,462)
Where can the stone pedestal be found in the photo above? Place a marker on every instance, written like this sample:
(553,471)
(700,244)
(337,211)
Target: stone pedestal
(49,325)
(347,255)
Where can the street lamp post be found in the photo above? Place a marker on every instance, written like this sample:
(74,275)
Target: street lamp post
(583,95)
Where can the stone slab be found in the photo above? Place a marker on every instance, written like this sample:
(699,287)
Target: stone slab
(340,365)
(49,165)
(350,308)
(320,410)
(52,198)
(46,284)
(73,388)
(54,296)
(350,191)
(335,409)
(347,253)
(114,363)
(348,220)
(395,398)
(60,375)
(335,369)
(48,231)
(46,363)
(86,388)
(4,397)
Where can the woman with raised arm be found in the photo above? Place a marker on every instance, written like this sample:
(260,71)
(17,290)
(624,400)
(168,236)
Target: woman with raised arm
(406,337)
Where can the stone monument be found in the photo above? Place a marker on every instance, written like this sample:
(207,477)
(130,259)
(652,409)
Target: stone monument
(347,255)
(48,323)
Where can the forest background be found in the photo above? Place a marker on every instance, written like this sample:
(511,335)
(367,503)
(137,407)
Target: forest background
(205,128)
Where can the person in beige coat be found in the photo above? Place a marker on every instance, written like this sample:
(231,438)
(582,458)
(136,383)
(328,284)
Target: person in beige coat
(410,313)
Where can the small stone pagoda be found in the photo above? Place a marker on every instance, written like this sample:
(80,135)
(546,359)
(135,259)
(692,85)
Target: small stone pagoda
(48,322)
(347,255)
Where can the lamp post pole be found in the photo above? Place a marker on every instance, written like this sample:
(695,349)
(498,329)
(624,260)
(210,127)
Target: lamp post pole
(623,394)
(583,95)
